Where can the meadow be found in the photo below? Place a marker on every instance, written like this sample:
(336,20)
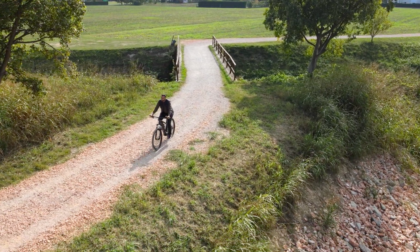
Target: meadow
(116,26)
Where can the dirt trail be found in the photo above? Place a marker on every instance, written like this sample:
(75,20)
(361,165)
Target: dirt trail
(64,199)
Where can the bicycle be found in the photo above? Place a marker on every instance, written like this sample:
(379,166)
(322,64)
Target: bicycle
(159,131)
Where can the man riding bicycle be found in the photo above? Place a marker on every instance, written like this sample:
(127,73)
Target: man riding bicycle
(166,111)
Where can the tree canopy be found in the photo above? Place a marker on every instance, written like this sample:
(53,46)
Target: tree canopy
(297,20)
(378,23)
(36,23)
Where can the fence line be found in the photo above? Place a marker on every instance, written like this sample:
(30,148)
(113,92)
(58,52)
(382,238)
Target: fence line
(225,57)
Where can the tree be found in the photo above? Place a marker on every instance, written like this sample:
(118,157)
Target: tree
(296,20)
(36,23)
(378,23)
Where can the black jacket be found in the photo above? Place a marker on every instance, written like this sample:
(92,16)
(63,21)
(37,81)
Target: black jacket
(165,107)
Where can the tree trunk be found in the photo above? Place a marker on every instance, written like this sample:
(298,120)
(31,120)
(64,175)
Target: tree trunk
(314,59)
(312,65)
(10,43)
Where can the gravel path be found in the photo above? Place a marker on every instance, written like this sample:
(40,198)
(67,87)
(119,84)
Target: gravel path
(52,204)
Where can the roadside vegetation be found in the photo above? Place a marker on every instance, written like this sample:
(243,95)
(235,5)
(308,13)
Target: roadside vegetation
(285,128)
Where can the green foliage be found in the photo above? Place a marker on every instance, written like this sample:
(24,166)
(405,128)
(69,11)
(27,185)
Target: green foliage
(334,49)
(296,20)
(31,83)
(36,23)
(328,217)
(339,104)
(378,23)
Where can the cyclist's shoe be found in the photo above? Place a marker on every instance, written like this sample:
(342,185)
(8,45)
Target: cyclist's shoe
(164,133)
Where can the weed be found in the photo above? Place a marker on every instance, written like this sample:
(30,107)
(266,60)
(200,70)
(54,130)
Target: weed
(195,141)
(329,213)
(213,135)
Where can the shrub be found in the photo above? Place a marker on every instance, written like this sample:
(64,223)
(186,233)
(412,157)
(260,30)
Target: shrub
(339,104)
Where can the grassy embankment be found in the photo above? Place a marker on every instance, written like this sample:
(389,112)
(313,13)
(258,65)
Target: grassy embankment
(283,129)
(115,27)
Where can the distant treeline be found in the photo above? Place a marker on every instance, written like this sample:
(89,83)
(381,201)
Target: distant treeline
(96,2)
(221,4)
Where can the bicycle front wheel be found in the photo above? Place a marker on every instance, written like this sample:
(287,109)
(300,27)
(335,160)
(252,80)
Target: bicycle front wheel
(157,139)
(172,127)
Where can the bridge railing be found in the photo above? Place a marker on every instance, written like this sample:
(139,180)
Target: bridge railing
(176,57)
(225,57)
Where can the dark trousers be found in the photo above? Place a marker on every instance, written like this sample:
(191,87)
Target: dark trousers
(168,122)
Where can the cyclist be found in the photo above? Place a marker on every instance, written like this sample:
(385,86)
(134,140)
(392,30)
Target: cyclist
(166,111)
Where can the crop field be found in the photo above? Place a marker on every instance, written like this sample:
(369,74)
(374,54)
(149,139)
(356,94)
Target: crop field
(116,26)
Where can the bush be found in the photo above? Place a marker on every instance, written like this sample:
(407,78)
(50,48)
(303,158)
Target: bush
(339,104)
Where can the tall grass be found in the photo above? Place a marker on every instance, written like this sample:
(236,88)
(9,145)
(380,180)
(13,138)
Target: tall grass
(338,104)
(26,119)
(353,111)
(397,115)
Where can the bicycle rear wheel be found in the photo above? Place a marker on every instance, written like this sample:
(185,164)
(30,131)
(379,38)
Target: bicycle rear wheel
(157,139)
(172,127)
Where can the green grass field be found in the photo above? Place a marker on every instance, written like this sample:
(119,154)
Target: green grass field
(116,26)
(405,20)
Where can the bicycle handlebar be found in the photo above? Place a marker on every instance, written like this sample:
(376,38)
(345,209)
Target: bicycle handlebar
(167,117)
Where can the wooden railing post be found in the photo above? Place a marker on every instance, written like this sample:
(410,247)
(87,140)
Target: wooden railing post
(177,61)
(225,57)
